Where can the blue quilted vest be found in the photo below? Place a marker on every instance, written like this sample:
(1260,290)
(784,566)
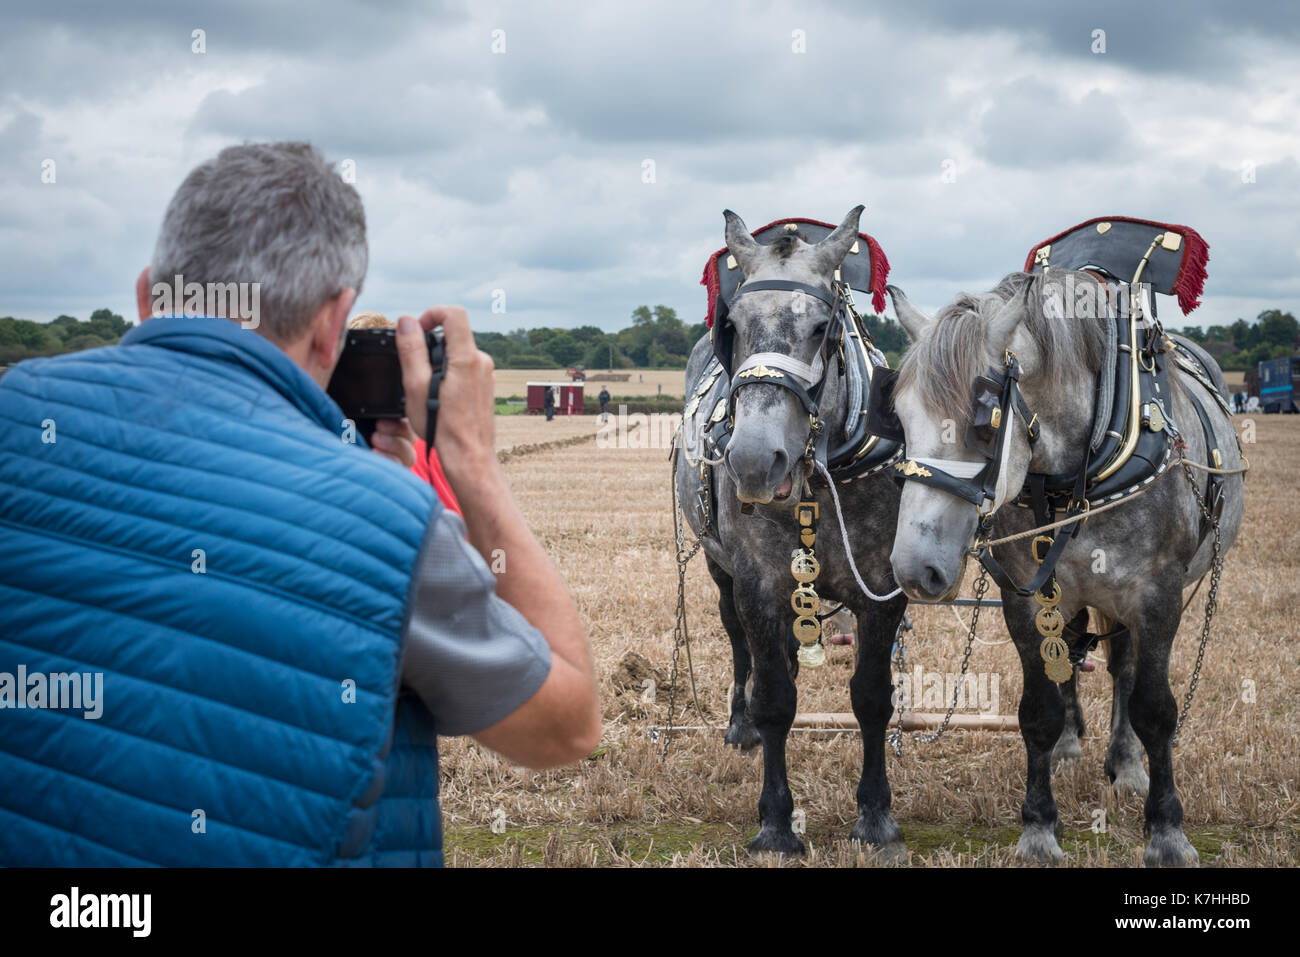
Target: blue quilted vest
(179,514)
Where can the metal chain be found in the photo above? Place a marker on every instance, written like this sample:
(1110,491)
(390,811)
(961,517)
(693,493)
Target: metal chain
(1211,599)
(895,737)
(680,634)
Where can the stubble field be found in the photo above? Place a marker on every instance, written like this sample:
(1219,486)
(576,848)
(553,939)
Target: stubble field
(604,516)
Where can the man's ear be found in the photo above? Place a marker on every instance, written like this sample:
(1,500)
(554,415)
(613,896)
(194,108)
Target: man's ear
(327,335)
(143,299)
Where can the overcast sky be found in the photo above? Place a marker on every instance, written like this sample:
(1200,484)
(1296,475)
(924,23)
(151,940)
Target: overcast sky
(525,170)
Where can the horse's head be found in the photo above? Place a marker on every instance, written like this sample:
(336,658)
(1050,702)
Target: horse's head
(957,399)
(772,422)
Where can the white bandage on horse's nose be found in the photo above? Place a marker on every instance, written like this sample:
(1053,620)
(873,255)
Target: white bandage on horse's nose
(807,374)
(968,470)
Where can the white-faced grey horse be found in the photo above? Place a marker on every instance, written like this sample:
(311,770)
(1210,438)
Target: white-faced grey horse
(1008,352)
(755,529)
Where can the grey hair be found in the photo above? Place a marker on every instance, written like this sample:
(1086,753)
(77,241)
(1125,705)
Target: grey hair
(954,349)
(270,213)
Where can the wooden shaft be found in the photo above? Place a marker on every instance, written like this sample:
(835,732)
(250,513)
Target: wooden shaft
(912,721)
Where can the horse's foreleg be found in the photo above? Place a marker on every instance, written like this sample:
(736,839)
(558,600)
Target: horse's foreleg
(1042,716)
(1124,755)
(1154,714)
(772,709)
(1067,745)
(741,732)
(872,692)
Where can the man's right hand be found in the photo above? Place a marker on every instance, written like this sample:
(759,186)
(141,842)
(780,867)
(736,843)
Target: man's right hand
(560,723)
(465,428)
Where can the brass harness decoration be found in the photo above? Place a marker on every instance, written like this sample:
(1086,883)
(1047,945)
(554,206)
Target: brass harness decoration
(805,568)
(911,468)
(1051,623)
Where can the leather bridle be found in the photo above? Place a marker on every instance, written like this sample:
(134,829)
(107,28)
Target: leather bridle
(996,403)
(805,382)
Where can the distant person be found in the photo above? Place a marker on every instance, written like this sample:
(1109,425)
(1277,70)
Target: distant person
(548,403)
(1241,401)
(604,403)
(640,377)
(661,388)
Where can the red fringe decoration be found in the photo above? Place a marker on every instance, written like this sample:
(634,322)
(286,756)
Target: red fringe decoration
(1191,271)
(879,267)
(1191,274)
(879,274)
(710,282)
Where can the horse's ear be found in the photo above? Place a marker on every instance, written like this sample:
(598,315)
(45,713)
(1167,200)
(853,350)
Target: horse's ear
(1003,324)
(832,250)
(742,245)
(913,320)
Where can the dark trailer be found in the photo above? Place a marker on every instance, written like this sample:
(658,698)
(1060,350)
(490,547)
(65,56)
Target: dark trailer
(1278,383)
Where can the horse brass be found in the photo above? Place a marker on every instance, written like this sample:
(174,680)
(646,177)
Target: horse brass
(1050,622)
(1056,657)
(807,630)
(804,601)
(805,567)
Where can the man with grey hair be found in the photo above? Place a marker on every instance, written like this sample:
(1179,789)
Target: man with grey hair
(285,620)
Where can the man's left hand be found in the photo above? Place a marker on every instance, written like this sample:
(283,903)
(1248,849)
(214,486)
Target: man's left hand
(395,439)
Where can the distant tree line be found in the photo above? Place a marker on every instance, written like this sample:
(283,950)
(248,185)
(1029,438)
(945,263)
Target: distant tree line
(1243,345)
(657,339)
(24,339)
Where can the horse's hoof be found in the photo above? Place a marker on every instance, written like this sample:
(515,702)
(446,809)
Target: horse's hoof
(1170,847)
(880,830)
(743,735)
(772,840)
(1130,778)
(1067,749)
(1037,845)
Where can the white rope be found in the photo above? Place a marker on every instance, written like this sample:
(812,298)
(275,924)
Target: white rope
(965,627)
(844,537)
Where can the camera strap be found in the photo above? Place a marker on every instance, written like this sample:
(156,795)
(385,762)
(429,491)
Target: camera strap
(431,425)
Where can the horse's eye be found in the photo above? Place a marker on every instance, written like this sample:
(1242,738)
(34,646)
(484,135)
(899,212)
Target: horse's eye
(819,330)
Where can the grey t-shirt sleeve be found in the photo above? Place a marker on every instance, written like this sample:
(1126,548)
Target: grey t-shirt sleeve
(471,656)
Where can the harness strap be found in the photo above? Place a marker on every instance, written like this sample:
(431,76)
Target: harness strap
(1213,482)
(787,285)
(1044,513)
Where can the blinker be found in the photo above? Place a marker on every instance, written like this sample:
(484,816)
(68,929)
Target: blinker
(882,419)
(986,416)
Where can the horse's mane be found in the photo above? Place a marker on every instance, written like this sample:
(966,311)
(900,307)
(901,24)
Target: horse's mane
(952,351)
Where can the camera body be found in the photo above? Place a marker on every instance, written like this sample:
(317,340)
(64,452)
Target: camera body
(367,382)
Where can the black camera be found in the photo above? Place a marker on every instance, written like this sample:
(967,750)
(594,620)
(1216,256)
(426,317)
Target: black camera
(367,382)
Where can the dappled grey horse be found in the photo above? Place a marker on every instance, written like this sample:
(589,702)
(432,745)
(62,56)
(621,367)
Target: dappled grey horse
(751,535)
(1130,564)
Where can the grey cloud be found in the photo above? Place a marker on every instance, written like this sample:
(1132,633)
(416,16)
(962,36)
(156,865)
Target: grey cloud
(1033,125)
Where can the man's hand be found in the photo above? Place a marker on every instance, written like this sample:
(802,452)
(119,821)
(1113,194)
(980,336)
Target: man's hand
(395,439)
(561,722)
(465,430)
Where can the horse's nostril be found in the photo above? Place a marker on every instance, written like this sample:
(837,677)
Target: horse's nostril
(780,465)
(936,582)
